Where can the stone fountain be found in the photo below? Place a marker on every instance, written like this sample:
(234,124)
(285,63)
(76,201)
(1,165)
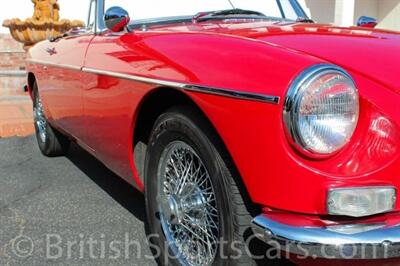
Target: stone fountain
(45,24)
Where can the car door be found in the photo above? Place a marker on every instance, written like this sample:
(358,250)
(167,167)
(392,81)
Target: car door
(63,90)
(110,102)
(64,87)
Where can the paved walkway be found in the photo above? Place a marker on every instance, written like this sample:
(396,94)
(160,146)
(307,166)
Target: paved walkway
(15,108)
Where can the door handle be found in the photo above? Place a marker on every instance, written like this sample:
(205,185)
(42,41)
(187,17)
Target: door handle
(44,67)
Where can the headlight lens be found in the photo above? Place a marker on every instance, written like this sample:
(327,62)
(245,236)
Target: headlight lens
(322,109)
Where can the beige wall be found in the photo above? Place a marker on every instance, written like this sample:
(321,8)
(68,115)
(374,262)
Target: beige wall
(322,11)
(340,12)
(389,14)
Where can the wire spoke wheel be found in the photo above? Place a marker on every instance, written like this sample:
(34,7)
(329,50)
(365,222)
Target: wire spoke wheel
(187,205)
(40,119)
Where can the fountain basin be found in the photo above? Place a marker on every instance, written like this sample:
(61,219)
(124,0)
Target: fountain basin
(32,31)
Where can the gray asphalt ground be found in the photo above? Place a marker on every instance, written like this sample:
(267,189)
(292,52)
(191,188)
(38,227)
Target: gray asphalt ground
(66,211)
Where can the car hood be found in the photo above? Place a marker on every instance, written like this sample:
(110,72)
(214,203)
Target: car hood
(371,52)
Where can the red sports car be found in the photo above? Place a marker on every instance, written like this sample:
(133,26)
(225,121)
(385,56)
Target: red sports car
(237,119)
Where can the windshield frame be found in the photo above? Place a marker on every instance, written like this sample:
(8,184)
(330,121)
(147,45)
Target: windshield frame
(143,23)
(298,9)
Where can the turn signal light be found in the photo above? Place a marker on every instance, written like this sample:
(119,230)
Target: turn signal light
(360,202)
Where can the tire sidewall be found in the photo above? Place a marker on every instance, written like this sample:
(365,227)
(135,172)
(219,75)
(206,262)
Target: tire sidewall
(55,144)
(176,127)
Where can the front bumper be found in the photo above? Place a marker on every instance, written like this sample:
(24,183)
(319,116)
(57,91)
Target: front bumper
(322,242)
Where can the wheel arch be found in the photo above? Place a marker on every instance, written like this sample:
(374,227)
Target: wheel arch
(156,103)
(150,108)
(31,79)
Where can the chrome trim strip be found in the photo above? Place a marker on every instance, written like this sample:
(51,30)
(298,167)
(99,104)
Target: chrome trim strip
(320,242)
(189,87)
(132,77)
(40,62)
(173,84)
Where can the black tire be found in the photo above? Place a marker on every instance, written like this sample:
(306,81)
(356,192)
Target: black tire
(54,144)
(187,125)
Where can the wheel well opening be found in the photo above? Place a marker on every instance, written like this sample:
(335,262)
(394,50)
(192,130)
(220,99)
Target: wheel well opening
(153,106)
(156,104)
(31,81)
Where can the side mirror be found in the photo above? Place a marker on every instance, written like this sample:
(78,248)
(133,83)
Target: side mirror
(367,22)
(116,19)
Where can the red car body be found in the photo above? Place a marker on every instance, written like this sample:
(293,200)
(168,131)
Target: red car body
(86,94)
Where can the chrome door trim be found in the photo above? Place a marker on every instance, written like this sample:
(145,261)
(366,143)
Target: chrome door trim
(179,85)
(189,87)
(66,66)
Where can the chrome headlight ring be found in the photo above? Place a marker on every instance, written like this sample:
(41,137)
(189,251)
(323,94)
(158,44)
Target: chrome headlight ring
(321,110)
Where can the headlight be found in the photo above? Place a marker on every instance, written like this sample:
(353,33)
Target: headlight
(321,109)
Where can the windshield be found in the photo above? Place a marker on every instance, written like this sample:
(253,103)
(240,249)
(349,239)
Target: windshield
(139,9)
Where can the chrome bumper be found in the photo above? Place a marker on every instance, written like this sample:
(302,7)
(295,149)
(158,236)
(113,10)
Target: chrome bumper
(323,242)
